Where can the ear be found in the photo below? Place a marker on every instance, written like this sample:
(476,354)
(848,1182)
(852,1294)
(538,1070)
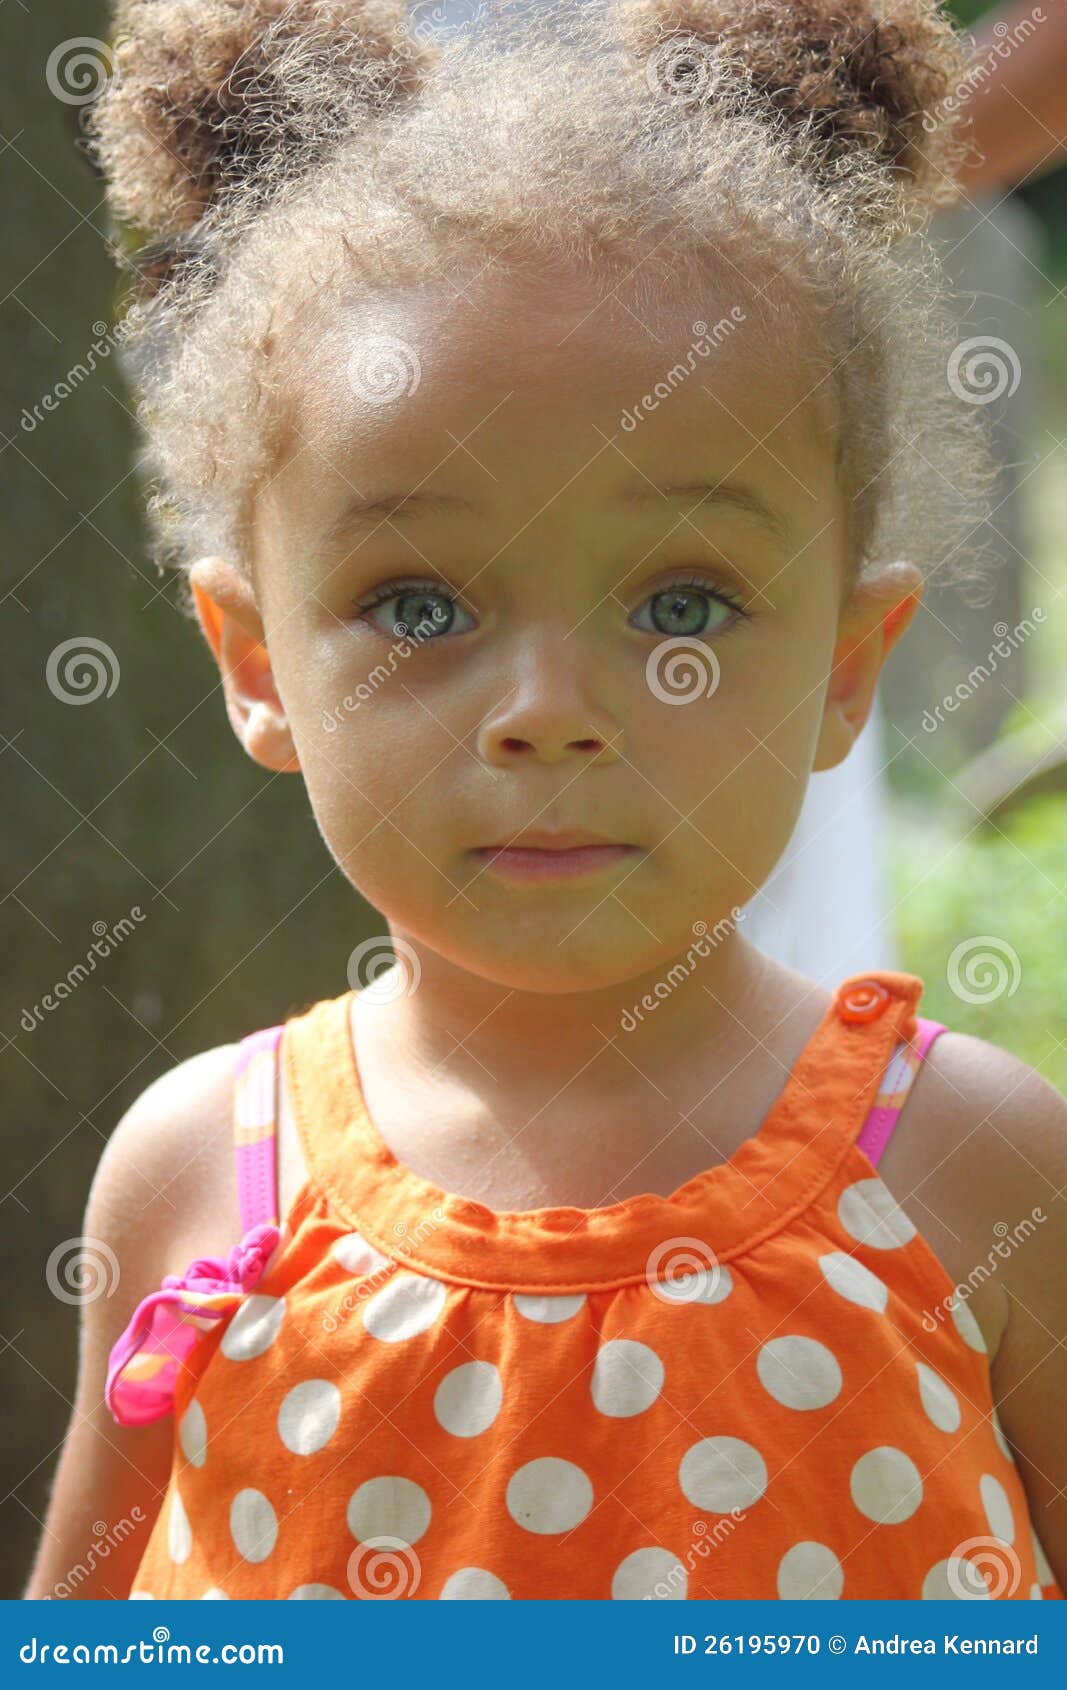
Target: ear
(870,624)
(231,624)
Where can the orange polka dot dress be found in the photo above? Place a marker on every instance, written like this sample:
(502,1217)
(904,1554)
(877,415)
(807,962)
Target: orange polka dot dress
(763,1385)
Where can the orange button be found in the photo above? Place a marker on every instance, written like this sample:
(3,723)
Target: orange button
(864,1000)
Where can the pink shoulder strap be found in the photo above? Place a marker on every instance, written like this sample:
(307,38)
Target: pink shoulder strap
(897,1080)
(255,1126)
(148,1357)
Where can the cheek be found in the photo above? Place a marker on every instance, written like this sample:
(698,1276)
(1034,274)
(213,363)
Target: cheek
(730,770)
(741,722)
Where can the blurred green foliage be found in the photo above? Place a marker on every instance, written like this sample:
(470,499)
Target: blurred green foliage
(968,11)
(987,899)
(998,892)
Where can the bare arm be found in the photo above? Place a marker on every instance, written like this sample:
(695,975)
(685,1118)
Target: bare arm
(1004,1132)
(162,1195)
(1016,98)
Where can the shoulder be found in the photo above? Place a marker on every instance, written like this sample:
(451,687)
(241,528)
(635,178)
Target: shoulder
(993,1135)
(165,1186)
(1001,1123)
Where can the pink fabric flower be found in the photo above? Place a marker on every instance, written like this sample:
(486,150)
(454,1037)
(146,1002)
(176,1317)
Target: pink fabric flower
(164,1326)
(238,1271)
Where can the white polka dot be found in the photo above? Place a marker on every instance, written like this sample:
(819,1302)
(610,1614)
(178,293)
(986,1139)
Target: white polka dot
(955,1579)
(856,1283)
(701,1285)
(871,1215)
(308,1416)
(627,1377)
(141,1596)
(652,1574)
(358,1257)
(179,1531)
(192,1434)
(468,1399)
(548,1495)
(253,1525)
(966,1325)
(1002,1442)
(938,1401)
(886,1485)
(389,1506)
(315,1593)
(547,1310)
(474,1584)
(253,1328)
(1044,1571)
(1036,1593)
(810,1572)
(214,1594)
(403,1307)
(997,1508)
(722,1473)
(799,1372)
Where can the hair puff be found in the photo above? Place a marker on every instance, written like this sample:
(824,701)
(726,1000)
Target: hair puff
(213,96)
(848,83)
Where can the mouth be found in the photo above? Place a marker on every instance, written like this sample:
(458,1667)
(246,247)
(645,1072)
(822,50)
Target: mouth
(541,856)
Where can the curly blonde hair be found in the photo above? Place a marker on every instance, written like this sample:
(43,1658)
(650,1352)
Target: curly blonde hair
(265,153)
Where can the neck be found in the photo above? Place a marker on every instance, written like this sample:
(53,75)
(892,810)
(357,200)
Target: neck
(505,1044)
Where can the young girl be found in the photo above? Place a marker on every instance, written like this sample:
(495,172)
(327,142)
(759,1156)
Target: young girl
(542,414)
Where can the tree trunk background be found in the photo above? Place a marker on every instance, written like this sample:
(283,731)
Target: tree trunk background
(139,801)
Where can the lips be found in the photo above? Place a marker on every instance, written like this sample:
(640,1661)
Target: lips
(521,862)
(542,839)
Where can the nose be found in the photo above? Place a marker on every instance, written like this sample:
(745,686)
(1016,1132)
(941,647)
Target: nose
(539,724)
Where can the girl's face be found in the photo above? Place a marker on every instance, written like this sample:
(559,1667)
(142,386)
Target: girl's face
(603,647)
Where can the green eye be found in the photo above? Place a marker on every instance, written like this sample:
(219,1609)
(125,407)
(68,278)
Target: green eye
(422,611)
(684,608)
(426,611)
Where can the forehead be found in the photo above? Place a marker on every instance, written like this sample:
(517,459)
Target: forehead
(553,385)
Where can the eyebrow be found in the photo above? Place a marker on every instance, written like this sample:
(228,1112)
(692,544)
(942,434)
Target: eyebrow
(733,495)
(414,506)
